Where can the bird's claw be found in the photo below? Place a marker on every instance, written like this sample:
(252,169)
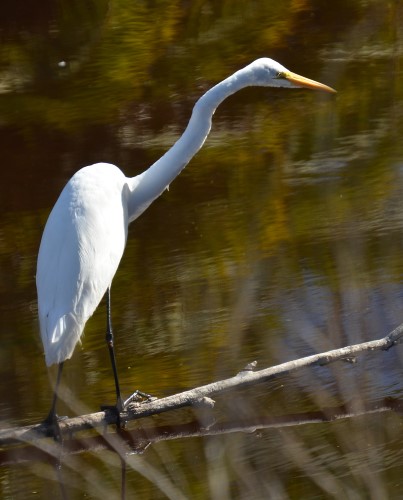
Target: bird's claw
(53,428)
(138,397)
(121,406)
(116,410)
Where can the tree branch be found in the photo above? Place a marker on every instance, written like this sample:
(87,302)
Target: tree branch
(199,396)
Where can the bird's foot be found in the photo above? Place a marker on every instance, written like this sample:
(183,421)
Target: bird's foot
(115,410)
(52,427)
(121,406)
(138,397)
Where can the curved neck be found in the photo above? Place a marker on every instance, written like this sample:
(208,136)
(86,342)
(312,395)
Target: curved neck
(146,187)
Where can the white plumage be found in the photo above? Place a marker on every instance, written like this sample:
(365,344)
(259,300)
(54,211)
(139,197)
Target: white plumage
(81,248)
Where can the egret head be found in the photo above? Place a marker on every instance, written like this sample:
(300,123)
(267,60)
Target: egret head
(269,73)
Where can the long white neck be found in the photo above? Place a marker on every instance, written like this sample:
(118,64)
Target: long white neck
(146,187)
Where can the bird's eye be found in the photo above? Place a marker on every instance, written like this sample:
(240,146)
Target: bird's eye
(280,74)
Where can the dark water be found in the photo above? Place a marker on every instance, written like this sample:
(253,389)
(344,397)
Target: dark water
(282,238)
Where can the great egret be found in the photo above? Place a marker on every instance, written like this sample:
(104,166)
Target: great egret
(85,235)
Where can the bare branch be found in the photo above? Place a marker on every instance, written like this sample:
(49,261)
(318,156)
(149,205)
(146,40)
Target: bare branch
(199,396)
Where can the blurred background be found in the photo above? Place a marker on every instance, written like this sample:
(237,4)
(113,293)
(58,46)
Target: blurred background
(282,238)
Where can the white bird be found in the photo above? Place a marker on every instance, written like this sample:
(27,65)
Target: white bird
(85,235)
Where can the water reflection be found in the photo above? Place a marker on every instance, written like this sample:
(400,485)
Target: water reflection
(281,238)
(130,444)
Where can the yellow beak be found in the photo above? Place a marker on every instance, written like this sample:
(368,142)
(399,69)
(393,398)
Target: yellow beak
(301,81)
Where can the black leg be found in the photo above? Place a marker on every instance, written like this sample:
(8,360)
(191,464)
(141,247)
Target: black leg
(51,419)
(120,404)
(109,341)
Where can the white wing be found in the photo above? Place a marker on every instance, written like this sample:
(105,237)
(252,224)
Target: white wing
(80,251)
